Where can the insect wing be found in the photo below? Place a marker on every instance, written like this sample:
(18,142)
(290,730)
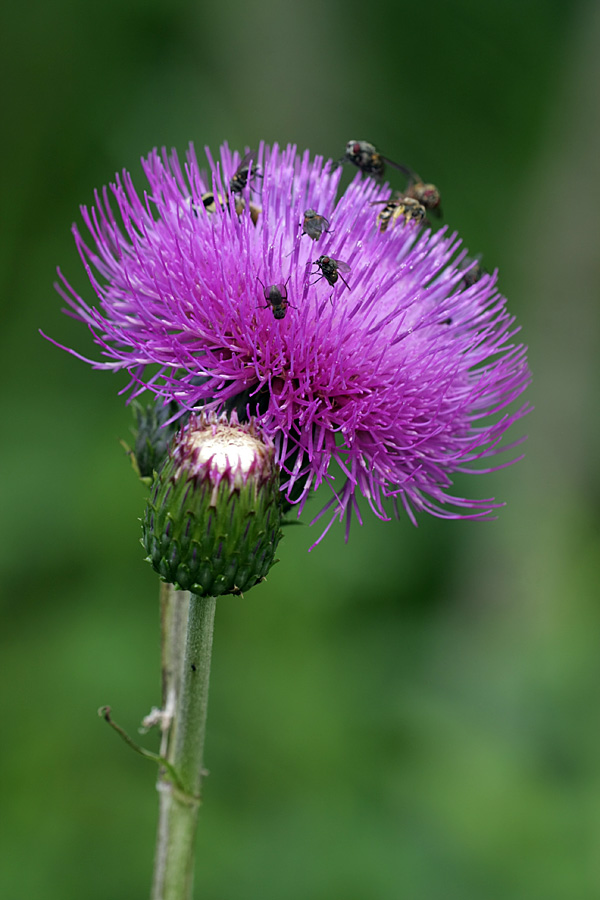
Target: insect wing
(342,266)
(239,179)
(406,170)
(245,161)
(322,223)
(314,225)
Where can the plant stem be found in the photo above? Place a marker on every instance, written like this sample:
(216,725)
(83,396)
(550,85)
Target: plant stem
(174,610)
(185,691)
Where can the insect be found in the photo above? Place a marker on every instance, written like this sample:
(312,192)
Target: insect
(475,270)
(426,193)
(314,225)
(276,297)
(209,202)
(368,158)
(400,205)
(239,179)
(331,269)
(210,205)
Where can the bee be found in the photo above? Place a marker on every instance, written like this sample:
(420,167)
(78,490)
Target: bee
(314,225)
(239,179)
(255,212)
(368,158)
(426,193)
(210,205)
(276,297)
(331,269)
(475,270)
(401,205)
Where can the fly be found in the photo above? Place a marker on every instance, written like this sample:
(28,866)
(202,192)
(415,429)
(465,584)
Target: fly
(331,269)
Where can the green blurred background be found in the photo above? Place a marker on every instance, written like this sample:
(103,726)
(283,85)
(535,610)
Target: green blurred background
(415,714)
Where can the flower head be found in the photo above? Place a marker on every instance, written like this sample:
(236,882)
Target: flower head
(350,343)
(212,521)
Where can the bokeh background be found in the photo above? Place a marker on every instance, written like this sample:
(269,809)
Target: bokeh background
(413,715)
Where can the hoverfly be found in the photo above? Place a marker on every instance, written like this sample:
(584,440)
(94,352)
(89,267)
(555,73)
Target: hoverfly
(367,158)
(331,269)
(400,205)
(276,297)
(314,225)
(239,179)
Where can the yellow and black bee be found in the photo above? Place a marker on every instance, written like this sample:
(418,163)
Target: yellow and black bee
(210,205)
(400,207)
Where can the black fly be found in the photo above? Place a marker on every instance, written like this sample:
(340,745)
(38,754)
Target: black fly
(314,225)
(276,297)
(368,159)
(331,269)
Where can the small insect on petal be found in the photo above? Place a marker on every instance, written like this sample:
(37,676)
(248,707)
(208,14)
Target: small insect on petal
(276,297)
(331,269)
(314,225)
(473,270)
(239,179)
(399,207)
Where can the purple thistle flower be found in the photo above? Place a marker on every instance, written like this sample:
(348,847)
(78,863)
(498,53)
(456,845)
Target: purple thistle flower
(399,372)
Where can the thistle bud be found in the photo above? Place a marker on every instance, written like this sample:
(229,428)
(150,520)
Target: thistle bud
(212,522)
(152,437)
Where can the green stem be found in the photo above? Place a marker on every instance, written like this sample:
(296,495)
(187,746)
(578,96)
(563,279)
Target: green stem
(174,610)
(187,677)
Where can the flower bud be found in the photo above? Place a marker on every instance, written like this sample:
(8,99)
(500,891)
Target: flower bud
(212,522)
(152,437)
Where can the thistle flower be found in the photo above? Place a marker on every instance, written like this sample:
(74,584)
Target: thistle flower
(382,382)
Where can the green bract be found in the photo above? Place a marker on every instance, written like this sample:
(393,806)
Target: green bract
(212,522)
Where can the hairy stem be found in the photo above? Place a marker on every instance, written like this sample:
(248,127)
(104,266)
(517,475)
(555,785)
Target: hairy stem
(186,671)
